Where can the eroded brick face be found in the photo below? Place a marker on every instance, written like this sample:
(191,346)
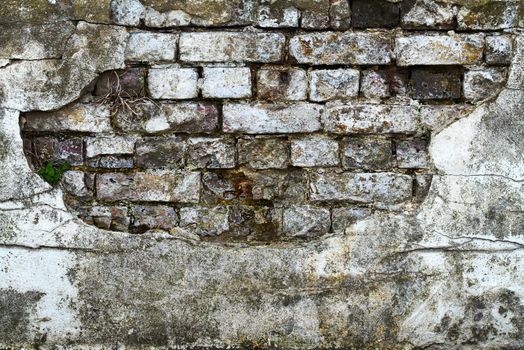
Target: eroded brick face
(270,122)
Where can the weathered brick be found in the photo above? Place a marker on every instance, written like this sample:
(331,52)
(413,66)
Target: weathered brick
(370,119)
(160,152)
(342,218)
(111,162)
(375,14)
(70,151)
(74,183)
(412,154)
(282,84)
(367,153)
(151,47)
(315,19)
(231,47)
(149,186)
(226,82)
(212,153)
(499,49)
(484,83)
(266,118)
(427,14)
(437,117)
(173,18)
(205,221)
(183,117)
(422,185)
(342,48)
(106,145)
(339,14)
(314,151)
(273,17)
(439,49)
(490,15)
(288,187)
(77,118)
(259,223)
(306,221)
(436,83)
(330,84)
(127,12)
(126,83)
(106,217)
(384,83)
(173,83)
(255,186)
(263,152)
(144,218)
(361,188)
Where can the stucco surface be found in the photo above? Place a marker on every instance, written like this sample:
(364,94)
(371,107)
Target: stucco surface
(448,275)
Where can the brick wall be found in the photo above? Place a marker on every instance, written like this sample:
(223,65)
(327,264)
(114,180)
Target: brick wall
(265,122)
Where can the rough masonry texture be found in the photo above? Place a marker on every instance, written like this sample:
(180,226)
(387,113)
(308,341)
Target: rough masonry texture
(295,174)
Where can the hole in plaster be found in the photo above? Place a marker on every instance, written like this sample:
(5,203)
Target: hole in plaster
(144,161)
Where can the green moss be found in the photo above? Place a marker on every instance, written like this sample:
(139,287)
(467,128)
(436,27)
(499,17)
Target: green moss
(53,173)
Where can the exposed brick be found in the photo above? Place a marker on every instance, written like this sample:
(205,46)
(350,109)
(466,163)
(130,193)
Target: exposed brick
(489,15)
(74,183)
(259,223)
(205,221)
(427,14)
(384,83)
(499,49)
(151,47)
(212,153)
(369,119)
(269,17)
(435,83)
(186,117)
(314,151)
(333,84)
(437,117)
(439,49)
(306,221)
(127,83)
(342,218)
(111,162)
(265,118)
(106,217)
(315,19)
(77,118)
(339,14)
(231,47)
(412,154)
(263,152)
(173,83)
(361,188)
(375,13)
(70,151)
(127,12)
(484,83)
(289,187)
(367,153)
(342,48)
(282,83)
(160,152)
(106,145)
(149,186)
(144,218)
(226,82)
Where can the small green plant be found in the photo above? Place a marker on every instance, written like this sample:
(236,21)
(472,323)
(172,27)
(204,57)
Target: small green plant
(52,173)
